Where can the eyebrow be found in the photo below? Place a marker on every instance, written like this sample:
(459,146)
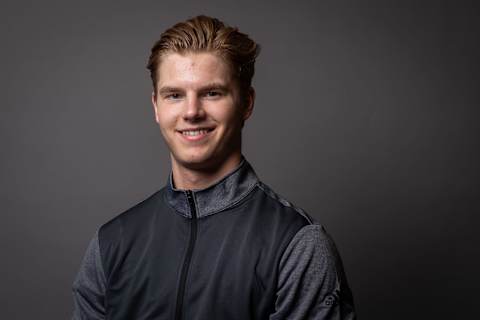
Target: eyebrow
(214,86)
(165,90)
(211,86)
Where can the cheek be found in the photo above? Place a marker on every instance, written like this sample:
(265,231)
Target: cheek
(227,115)
(234,119)
(166,118)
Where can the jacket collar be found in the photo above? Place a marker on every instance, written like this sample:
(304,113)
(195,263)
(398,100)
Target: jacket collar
(221,195)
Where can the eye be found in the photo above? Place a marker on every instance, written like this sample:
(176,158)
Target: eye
(172,96)
(212,94)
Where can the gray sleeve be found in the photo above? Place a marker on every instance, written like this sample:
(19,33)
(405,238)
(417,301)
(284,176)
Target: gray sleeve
(89,285)
(312,283)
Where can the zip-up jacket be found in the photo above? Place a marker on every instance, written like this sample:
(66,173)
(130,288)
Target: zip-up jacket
(234,250)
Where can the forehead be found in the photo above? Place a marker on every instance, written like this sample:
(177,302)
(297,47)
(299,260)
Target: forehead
(193,69)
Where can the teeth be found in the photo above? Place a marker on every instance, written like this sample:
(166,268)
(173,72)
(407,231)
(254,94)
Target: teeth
(194,132)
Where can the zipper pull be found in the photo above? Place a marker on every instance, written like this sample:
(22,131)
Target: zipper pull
(191,203)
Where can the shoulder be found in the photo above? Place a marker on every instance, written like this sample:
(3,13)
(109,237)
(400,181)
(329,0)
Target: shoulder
(130,220)
(308,238)
(283,205)
(274,217)
(312,240)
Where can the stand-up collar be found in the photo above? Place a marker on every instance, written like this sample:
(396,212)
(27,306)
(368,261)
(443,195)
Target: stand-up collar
(223,194)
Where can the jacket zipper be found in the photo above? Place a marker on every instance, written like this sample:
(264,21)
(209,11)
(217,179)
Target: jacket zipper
(188,257)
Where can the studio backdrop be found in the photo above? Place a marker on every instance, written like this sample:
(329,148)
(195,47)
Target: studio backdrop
(366,117)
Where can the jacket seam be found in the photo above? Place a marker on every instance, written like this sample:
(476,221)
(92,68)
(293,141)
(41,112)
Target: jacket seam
(271,194)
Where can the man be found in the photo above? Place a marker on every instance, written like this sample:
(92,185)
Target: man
(215,242)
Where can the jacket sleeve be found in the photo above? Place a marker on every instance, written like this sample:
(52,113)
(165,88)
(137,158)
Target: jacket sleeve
(312,283)
(89,285)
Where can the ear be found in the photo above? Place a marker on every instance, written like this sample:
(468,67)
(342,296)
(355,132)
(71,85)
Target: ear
(155,106)
(249,102)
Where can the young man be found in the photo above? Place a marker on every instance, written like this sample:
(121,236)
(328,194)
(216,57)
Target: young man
(215,242)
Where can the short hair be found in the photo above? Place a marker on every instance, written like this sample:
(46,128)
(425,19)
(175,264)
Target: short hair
(207,34)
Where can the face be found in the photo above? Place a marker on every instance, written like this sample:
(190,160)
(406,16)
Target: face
(197,106)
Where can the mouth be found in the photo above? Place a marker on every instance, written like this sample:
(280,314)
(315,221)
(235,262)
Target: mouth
(194,134)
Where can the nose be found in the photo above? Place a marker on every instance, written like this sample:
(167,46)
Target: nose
(194,109)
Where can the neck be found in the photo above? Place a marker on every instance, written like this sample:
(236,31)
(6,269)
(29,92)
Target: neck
(192,178)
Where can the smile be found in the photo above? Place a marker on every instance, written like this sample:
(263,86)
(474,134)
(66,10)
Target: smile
(195,134)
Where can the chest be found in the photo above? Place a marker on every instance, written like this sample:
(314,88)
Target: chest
(198,268)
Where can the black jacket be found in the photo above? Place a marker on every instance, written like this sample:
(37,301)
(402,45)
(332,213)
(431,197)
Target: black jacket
(235,250)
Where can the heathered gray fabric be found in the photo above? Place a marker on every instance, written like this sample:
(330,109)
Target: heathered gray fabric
(89,285)
(312,282)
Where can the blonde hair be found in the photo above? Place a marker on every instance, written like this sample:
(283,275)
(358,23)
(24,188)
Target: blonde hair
(207,34)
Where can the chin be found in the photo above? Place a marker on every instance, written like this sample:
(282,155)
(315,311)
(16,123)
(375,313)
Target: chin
(195,162)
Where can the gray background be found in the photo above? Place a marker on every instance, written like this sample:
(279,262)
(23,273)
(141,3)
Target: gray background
(366,117)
